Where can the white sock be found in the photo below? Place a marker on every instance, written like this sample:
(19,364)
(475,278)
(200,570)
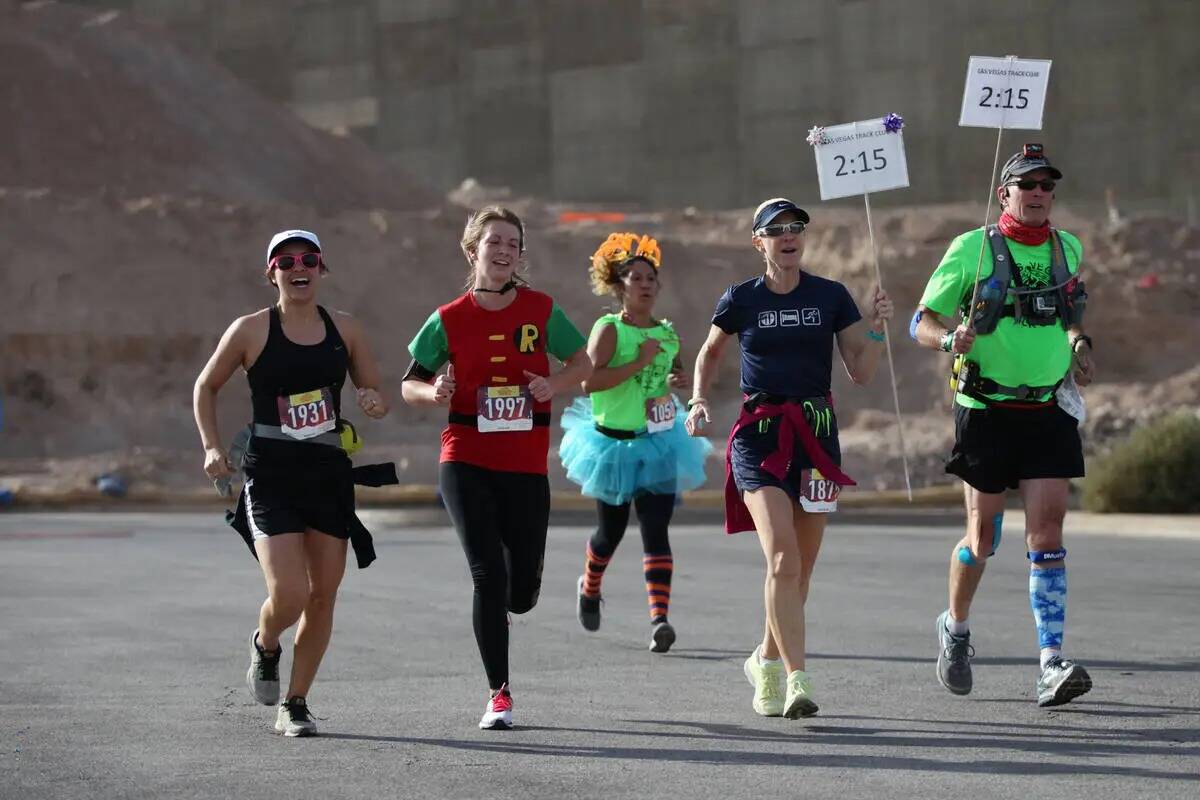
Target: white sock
(1049,653)
(956,627)
(765,661)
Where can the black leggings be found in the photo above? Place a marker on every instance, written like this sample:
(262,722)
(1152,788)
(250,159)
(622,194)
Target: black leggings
(654,516)
(501,519)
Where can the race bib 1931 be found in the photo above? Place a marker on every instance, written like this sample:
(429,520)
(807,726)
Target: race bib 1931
(504,408)
(818,495)
(308,414)
(660,414)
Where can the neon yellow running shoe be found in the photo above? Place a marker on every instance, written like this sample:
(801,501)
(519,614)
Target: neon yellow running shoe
(767,680)
(799,701)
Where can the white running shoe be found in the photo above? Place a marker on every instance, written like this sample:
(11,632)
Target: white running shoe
(498,715)
(263,676)
(294,718)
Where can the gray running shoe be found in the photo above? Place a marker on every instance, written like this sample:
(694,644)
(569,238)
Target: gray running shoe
(1061,682)
(587,608)
(263,675)
(662,635)
(954,658)
(294,718)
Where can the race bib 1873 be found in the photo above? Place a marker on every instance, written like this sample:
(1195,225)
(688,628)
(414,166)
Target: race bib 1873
(818,495)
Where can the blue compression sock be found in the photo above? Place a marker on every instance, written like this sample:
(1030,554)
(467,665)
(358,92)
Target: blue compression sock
(1048,599)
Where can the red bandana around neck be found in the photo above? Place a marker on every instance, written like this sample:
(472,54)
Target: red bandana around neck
(1031,235)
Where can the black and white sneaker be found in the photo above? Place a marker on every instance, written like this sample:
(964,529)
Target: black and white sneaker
(294,718)
(263,676)
(662,635)
(587,608)
(954,658)
(1061,682)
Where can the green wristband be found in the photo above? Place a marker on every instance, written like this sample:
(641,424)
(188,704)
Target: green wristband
(948,342)
(875,337)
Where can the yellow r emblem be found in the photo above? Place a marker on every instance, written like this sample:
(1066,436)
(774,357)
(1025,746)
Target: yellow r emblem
(527,338)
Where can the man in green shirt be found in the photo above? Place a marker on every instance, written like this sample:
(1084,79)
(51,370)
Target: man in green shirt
(1021,353)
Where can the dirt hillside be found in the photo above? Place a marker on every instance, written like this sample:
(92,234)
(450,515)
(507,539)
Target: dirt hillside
(141,182)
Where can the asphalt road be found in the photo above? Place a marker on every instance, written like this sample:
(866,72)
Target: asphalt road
(122,664)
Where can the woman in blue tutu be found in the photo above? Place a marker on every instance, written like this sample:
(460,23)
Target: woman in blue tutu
(625,443)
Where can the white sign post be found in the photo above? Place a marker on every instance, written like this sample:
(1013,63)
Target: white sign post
(860,158)
(1001,93)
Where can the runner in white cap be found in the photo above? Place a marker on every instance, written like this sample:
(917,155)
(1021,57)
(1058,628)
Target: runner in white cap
(296,510)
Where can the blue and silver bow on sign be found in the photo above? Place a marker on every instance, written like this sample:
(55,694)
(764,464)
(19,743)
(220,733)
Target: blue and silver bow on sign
(893,123)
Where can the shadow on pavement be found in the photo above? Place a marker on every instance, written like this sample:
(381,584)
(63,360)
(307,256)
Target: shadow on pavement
(700,654)
(805,736)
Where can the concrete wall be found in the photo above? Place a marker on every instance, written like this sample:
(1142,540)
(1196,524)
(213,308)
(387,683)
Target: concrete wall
(706,102)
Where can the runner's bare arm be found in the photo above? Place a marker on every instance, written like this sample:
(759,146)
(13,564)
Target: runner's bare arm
(435,391)
(932,331)
(364,369)
(231,353)
(706,369)
(600,348)
(678,377)
(1082,360)
(860,355)
(862,343)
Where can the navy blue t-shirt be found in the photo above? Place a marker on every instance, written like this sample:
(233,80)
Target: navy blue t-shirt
(786,339)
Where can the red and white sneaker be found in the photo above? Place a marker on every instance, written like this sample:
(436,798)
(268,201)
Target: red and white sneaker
(498,716)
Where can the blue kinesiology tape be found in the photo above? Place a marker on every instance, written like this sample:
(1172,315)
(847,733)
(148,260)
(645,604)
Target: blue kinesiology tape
(1038,556)
(912,326)
(964,553)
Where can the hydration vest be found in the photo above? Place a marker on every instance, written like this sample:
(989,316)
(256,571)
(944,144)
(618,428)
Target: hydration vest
(1064,300)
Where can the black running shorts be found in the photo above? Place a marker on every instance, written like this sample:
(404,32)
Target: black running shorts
(291,503)
(997,447)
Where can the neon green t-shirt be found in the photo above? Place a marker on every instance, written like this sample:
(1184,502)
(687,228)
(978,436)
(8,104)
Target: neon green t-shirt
(623,407)
(1014,353)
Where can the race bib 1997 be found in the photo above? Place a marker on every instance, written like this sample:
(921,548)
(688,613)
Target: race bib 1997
(504,408)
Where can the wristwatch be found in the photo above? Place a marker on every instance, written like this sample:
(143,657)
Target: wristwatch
(1083,337)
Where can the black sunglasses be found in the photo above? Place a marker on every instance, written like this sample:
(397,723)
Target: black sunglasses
(1028,183)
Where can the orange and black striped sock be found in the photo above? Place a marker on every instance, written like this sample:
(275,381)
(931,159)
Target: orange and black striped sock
(593,572)
(658,570)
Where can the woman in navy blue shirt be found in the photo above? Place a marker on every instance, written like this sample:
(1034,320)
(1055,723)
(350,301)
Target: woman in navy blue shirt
(782,460)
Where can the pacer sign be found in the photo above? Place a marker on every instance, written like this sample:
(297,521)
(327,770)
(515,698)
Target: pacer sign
(1006,93)
(859,157)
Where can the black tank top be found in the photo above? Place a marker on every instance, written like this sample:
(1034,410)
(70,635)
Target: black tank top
(284,369)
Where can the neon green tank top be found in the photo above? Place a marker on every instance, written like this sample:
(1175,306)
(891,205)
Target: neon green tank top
(623,407)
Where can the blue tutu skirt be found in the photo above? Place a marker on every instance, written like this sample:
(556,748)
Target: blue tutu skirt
(614,470)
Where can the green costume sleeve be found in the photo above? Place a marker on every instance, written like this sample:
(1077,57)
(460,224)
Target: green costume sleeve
(429,347)
(563,339)
(950,282)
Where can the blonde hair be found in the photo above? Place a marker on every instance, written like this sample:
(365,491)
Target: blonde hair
(473,233)
(611,258)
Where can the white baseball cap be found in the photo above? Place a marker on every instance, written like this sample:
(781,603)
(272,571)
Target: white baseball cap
(285,236)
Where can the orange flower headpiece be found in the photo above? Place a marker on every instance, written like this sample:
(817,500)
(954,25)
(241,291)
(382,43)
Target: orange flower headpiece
(616,251)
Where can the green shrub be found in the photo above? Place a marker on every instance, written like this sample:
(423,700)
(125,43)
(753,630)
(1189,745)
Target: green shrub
(1156,470)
